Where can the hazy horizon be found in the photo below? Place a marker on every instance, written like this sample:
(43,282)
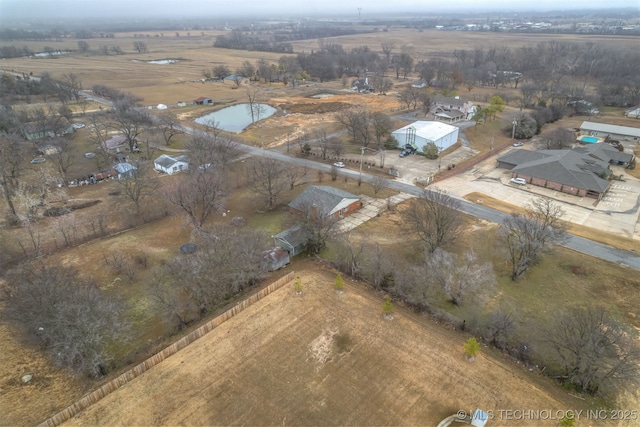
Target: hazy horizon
(73,9)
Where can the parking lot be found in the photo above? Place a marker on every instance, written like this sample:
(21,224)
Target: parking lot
(617,212)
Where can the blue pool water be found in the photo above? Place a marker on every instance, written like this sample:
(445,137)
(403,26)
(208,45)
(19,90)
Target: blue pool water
(237,117)
(589,139)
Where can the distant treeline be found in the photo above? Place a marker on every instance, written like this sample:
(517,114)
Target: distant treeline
(277,41)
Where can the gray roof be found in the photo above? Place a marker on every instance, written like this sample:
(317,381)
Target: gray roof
(294,236)
(614,129)
(567,167)
(605,152)
(326,198)
(167,161)
(124,167)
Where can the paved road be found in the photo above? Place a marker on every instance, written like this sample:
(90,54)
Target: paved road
(579,244)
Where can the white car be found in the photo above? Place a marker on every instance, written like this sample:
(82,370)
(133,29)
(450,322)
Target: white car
(78,125)
(338,164)
(518,144)
(519,181)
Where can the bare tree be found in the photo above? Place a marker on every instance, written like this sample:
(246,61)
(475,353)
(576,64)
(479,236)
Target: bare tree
(387,49)
(594,351)
(254,104)
(499,328)
(378,183)
(72,84)
(99,126)
(63,158)
(557,139)
(170,127)
(140,47)
(357,122)
(314,220)
(67,228)
(528,234)
(268,177)
(212,148)
(458,275)
(434,217)
(248,70)
(350,253)
(12,154)
(130,120)
(221,71)
(295,175)
(228,261)
(199,194)
(83,46)
(139,184)
(78,325)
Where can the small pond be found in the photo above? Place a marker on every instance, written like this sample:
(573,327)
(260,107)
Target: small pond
(322,95)
(235,118)
(53,53)
(163,61)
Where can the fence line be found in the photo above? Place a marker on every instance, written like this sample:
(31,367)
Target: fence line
(172,349)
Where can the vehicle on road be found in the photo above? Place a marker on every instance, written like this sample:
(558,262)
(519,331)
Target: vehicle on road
(519,181)
(518,144)
(78,125)
(338,164)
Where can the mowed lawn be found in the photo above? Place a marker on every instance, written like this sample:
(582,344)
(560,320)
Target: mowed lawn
(325,359)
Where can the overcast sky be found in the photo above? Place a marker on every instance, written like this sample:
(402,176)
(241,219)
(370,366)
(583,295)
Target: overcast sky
(21,9)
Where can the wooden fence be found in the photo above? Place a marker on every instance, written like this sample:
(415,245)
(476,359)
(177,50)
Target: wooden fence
(178,345)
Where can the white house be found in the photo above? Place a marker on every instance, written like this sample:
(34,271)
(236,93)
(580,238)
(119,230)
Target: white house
(170,164)
(633,112)
(418,134)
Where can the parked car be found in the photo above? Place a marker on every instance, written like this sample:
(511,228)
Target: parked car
(519,181)
(407,149)
(338,164)
(518,144)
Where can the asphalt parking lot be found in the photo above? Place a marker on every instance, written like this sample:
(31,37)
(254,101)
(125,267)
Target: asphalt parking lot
(617,212)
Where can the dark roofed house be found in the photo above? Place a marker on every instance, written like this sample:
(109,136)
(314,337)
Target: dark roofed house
(362,85)
(115,142)
(582,171)
(327,202)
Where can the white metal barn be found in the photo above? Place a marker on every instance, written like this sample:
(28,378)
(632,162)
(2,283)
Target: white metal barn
(418,134)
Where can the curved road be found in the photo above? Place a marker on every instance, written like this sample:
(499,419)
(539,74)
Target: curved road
(579,244)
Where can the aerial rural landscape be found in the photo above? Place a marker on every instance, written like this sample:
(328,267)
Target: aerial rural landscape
(319,216)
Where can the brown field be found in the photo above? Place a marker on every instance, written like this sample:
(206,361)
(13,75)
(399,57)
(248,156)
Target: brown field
(324,359)
(405,371)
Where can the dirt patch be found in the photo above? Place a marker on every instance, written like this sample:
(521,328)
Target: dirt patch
(315,108)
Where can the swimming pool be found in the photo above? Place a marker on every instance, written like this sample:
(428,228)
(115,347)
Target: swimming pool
(590,139)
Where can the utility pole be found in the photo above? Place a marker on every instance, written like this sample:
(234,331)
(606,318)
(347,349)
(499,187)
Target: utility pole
(361,158)
(513,132)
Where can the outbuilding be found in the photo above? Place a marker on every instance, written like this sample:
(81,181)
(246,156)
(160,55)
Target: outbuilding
(203,101)
(420,133)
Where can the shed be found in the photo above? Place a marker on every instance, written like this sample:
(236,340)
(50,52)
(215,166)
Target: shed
(633,112)
(124,170)
(276,258)
(161,107)
(292,240)
(420,133)
(170,164)
(203,101)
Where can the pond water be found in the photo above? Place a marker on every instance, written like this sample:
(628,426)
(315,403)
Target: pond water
(54,53)
(235,118)
(163,61)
